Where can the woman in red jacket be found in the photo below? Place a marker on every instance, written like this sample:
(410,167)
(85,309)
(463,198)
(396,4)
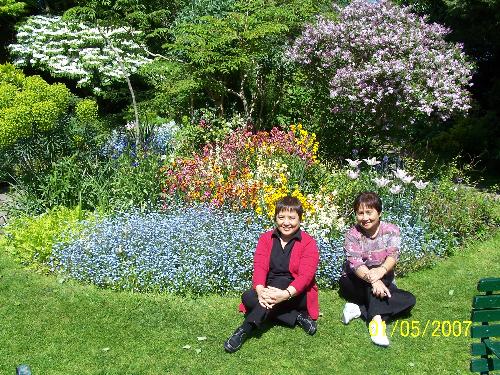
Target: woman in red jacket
(283,284)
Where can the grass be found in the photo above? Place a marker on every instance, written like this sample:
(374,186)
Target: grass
(67,328)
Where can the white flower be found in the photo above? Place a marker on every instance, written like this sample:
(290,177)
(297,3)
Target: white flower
(353,174)
(130,125)
(353,163)
(399,173)
(395,189)
(371,161)
(381,182)
(420,184)
(407,179)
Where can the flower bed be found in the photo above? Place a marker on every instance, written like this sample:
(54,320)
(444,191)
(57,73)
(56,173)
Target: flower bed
(189,250)
(204,238)
(198,250)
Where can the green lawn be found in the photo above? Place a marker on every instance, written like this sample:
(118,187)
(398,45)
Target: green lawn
(73,329)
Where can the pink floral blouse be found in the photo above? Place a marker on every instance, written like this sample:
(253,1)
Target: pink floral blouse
(361,249)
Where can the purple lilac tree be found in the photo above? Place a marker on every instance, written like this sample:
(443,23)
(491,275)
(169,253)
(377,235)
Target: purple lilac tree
(386,64)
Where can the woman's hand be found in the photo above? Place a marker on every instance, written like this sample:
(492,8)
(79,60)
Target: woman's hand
(265,297)
(380,290)
(279,295)
(375,274)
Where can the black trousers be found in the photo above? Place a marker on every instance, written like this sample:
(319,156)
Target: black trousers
(286,311)
(358,291)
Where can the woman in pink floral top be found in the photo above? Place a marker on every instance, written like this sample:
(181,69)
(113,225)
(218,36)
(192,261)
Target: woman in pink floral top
(372,250)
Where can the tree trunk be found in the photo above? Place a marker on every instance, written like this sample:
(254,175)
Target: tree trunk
(129,84)
(241,95)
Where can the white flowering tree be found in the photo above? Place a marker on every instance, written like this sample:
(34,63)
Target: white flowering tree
(387,64)
(78,51)
(95,56)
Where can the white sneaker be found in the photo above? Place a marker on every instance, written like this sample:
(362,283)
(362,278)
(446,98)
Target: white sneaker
(351,311)
(378,333)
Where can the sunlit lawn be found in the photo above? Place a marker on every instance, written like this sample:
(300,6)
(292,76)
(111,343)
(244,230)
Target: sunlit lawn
(73,329)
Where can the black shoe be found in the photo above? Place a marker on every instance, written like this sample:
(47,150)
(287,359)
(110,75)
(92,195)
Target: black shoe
(233,343)
(307,323)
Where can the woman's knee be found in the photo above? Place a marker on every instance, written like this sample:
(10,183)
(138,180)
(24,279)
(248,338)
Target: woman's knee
(250,298)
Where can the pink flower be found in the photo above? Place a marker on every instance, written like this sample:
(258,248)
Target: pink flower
(399,173)
(407,179)
(371,55)
(381,182)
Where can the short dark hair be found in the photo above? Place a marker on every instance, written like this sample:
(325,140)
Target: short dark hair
(369,199)
(288,203)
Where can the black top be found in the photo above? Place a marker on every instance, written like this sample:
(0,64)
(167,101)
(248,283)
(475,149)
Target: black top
(279,274)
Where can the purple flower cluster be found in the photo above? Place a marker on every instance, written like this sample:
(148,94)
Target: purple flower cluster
(381,57)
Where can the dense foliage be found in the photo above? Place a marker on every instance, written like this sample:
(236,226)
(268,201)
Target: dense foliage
(31,239)
(475,24)
(40,123)
(12,8)
(28,106)
(230,56)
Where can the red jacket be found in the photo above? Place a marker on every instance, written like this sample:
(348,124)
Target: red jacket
(304,260)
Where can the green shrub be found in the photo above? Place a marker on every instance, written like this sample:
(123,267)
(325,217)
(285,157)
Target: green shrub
(15,123)
(40,124)
(86,111)
(94,184)
(45,114)
(7,94)
(205,127)
(10,74)
(33,107)
(30,239)
(458,208)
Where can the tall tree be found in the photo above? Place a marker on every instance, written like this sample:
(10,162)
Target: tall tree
(231,55)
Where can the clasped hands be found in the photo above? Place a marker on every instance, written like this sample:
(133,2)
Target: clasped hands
(374,276)
(270,296)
